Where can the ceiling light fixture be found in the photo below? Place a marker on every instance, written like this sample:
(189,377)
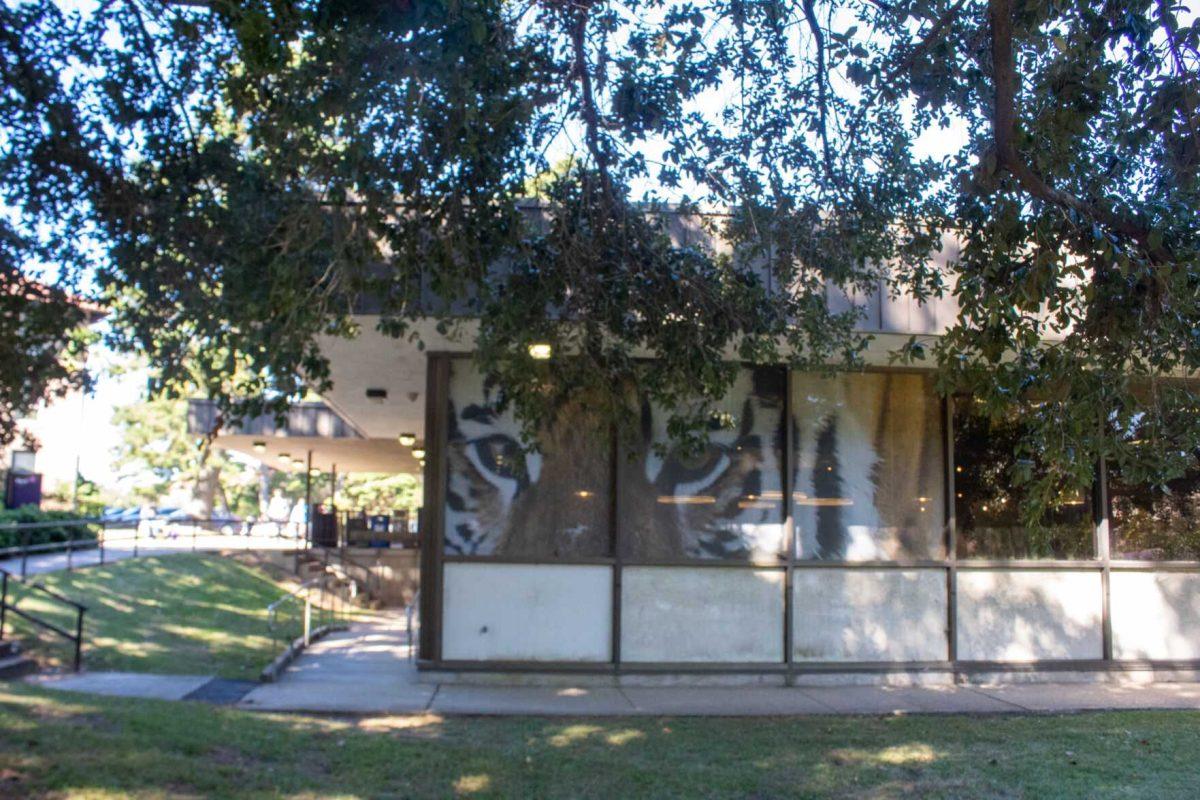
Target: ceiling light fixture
(259,447)
(408,439)
(540,351)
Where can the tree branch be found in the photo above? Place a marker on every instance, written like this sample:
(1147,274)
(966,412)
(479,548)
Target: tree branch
(1172,33)
(1004,125)
(587,104)
(810,15)
(152,56)
(932,37)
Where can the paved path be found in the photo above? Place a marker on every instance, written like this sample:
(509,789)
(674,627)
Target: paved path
(359,696)
(367,671)
(120,546)
(205,688)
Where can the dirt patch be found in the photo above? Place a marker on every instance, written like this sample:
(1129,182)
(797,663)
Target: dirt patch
(10,781)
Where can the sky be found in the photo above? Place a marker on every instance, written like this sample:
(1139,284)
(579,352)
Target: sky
(79,428)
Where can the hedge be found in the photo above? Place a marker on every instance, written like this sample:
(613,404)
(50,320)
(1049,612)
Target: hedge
(49,534)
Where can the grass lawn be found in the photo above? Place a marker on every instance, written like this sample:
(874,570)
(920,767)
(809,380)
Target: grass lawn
(201,614)
(56,744)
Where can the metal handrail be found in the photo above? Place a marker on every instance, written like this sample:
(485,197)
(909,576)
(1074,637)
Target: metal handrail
(412,610)
(80,610)
(305,592)
(295,593)
(59,523)
(372,581)
(126,530)
(293,597)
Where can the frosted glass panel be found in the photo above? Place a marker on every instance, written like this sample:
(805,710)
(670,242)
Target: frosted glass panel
(1005,615)
(724,503)
(869,481)
(869,614)
(550,504)
(701,614)
(1155,615)
(524,612)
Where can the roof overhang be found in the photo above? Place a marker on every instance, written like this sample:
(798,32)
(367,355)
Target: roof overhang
(308,433)
(343,455)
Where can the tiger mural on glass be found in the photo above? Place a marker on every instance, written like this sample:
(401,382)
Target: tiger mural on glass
(868,475)
(724,503)
(555,503)
(866,484)
(551,503)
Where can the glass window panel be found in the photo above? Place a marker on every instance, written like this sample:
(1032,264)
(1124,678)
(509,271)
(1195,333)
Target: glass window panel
(869,477)
(552,504)
(988,506)
(724,503)
(1147,523)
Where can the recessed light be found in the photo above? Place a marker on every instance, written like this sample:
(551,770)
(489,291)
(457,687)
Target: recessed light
(259,447)
(408,439)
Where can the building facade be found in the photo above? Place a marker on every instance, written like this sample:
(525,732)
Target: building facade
(841,524)
(856,526)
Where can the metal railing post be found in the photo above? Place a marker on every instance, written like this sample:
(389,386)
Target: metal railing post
(24,551)
(29,614)
(194,527)
(103,536)
(70,552)
(307,618)
(79,640)
(137,531)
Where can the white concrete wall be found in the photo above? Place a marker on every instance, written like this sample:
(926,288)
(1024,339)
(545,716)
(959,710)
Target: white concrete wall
(869,615)
(1005,615)
(1155,615)
(701,614)
(519,612)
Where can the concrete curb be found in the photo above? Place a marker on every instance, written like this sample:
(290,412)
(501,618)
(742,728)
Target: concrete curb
(272,671)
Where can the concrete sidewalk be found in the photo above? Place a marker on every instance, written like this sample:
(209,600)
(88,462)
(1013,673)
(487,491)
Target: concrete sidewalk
(359,697)
(371,692)
(367,671)
(364,670)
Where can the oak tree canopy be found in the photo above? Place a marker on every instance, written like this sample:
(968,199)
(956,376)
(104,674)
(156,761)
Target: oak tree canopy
(234,176)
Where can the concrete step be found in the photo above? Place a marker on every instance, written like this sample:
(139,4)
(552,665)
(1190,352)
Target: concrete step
(16,667)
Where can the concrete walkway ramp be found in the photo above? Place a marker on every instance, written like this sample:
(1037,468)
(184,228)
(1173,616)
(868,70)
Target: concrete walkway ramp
(365,669)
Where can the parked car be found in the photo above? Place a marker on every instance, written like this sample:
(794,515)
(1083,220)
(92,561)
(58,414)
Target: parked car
(180,521)
(122,516)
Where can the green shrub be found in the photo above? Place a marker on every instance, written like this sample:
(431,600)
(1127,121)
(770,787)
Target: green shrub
(56,533)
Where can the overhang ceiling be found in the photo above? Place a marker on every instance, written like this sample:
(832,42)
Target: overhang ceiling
(376,361)
(345,454)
